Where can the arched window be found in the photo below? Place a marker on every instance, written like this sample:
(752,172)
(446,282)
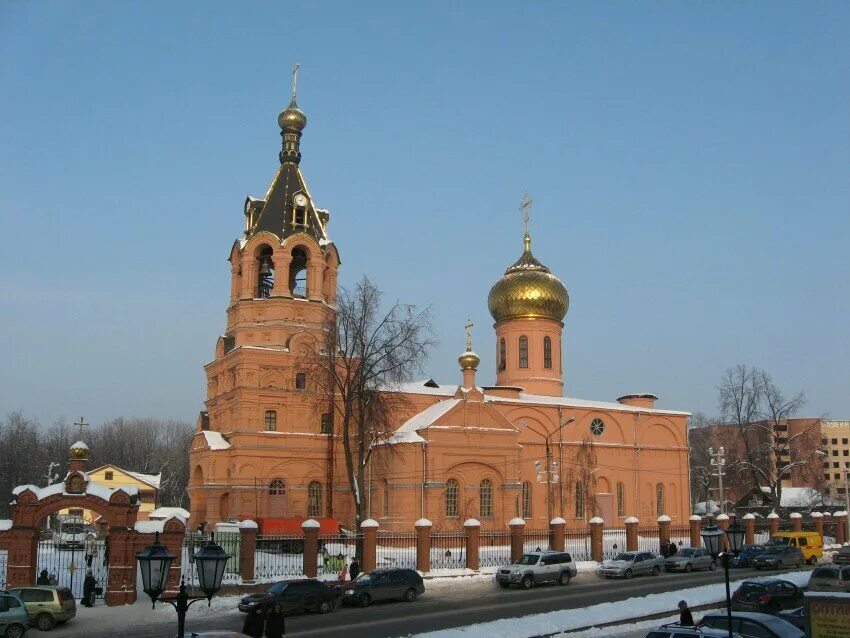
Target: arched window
(314,499)
(547,352)
(327,423)
(523,351)
(485,498)
(579,498)
(265,273)
(659,499)
(277,488)
(301,381)
(526,500)
(503,354)
(621,499)
(271,420)
(452,498)
(386,499)
(298,273)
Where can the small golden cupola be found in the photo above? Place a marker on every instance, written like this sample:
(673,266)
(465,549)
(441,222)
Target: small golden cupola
(468,360)
(528,304)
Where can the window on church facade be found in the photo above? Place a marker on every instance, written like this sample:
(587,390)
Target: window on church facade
(621,499)
(277,488)
(314,499)
(579,498)
(301,381)
(503,355)
(547,352)
(271,420)
(526,500)
(327,424)
(523,352)
(452,498)
(386,499)
(659,499)
(265,273)
(485,499)
(298,273)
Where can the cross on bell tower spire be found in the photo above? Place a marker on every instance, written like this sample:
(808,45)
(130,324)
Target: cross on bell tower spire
(525,210)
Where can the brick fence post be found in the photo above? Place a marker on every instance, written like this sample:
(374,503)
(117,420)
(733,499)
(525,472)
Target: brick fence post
(663,531)
(796,522)
(773,523)
(695,522)
(556,534)
(517,538)
(749,529)
(247,550)
(840,519)
(423,544)
(310,529)
(472,527)
(597,526)
(723,524)
(369,559)
(817,522)
(631,534)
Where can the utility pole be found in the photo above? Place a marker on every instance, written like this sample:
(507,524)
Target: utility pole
(718,460)
(551,468)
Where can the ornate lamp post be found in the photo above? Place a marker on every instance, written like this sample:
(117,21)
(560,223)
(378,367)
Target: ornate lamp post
(712,538)
(155,562)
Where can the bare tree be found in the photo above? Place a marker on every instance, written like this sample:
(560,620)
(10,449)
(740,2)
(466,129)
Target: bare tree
(751,401)
(699,442)
(581,480)
(367,351)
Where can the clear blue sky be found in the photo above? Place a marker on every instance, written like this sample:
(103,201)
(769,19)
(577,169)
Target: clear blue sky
(689,163)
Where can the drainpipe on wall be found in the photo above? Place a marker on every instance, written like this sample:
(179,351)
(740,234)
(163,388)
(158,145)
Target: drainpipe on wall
(637,512)
(424,477)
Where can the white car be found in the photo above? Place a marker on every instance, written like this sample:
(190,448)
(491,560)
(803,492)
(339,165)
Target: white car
(750,624)
(538,567)
(676,630)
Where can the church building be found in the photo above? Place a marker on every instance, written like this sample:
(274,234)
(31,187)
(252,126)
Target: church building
(266,447)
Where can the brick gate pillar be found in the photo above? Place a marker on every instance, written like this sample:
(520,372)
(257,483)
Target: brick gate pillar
(773,523)
(596,533)
(723,524)
(517,538)
(695,522)
(247,550)
(369,527)
(663,530)
(310,529)
(631,534)
(472,527)
(423,544)
(840,519)
(123,545)
(22,557)
(796,522)
(749,529)
(817,522)
(556,534)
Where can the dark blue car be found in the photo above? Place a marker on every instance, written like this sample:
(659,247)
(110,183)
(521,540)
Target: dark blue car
(748,552)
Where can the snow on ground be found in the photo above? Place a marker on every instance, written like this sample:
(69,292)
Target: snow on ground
(569,619)
(630,630)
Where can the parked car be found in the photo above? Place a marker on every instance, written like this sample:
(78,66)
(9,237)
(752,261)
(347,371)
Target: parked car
(294,596)
(214,633)
(779,557)
(538,567)
(769,596)
(796,617)
(382,584)
(13,616)
(676,630)
(830,578)
(746,555)
(47,606)
(752,625)
(842,556)
(628,564)
(688,559)
(809,543)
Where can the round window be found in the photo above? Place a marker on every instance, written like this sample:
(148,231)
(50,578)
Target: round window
(597,427)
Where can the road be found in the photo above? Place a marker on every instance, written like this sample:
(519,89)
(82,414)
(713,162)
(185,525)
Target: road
(444,607)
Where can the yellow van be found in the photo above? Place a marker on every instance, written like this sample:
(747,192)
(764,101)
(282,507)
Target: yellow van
(810,543)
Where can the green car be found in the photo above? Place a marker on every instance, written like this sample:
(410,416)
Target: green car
(47,606)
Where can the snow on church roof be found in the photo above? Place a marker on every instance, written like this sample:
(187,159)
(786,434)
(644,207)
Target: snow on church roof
(215,440)
(407,433)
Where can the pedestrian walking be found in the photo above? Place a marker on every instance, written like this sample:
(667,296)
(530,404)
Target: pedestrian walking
(275,625)
(255,623)
(88,589)
(43,578)
(686,618)
(354,569)
(91,548)
(52,580)
(343,572)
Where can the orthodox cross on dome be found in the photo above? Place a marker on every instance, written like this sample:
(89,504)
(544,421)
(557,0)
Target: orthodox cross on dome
(525,209)
(295,80)
(82,424)
(468,327)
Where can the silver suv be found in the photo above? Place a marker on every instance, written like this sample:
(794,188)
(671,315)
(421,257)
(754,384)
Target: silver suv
(538,567)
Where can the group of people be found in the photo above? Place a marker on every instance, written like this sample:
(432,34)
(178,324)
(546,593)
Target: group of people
(89,585)
(269,620)
(668,549)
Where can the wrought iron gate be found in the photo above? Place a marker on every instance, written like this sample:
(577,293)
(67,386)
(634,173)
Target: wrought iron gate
(68,565)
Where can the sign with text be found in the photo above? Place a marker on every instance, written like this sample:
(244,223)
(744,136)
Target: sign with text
(828,615)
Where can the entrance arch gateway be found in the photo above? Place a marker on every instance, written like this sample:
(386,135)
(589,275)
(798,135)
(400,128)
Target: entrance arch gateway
(118,509)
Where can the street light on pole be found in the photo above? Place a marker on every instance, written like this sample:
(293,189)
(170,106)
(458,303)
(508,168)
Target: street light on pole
(712,538)
(546,437)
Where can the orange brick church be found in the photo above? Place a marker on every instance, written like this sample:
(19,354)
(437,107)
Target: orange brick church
(266,446)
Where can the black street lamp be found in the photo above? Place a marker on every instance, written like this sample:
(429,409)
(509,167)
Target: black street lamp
(155,562)
(712,538)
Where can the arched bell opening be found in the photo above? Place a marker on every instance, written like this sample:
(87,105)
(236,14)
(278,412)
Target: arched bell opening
(298,273)
(265,273)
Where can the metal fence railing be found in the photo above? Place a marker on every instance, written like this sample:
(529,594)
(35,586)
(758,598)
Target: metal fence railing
(613,542)
(494,549)
(578,544)
(680,535)
(536,540)
(396,549)
(3,563)
(448,550)
(231,542)
(648,539)
(278,556)
(336,551)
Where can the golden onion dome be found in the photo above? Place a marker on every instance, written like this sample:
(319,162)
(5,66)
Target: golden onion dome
(528,291)
(292,118)
(468,360)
